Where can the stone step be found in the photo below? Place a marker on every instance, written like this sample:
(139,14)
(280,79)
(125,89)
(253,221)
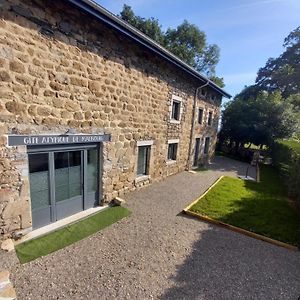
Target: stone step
(7,291)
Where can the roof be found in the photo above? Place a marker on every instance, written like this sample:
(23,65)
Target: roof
(113,21)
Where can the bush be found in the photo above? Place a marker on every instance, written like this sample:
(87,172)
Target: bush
(286,158)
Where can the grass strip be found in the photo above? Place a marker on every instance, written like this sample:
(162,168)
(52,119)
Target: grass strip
(257,207)
(70,234)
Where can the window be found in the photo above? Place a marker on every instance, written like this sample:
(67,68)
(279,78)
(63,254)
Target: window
(206,145)
(176,107)
(175,110)
(144,148)
(209,121)
(172,151)
(200,115)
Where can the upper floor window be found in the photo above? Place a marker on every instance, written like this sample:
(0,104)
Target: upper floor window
(176,108)
(200,115)
(210,118)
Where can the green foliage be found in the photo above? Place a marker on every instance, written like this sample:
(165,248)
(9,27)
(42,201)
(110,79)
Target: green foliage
(257,207)
(286,158)
(283,73)
(186,41)
(258,119)
(150,26)
(61,238)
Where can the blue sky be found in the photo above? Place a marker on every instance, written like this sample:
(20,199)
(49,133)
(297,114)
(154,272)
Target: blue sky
(248,32)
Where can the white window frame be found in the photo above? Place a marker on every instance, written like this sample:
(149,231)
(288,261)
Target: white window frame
(203,115)
(172,141)
(176,99)
(212,118)
(208,145)
(140,178)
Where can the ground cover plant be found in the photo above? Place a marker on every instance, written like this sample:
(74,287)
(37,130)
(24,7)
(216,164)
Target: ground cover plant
(258,207)
(70,234)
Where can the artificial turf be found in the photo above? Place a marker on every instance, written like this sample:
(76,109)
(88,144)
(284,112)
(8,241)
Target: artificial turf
(70,234)
(258,207)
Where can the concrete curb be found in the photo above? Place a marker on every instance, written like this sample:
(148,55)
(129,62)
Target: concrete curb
(242,231)
(194,202)
(231,227)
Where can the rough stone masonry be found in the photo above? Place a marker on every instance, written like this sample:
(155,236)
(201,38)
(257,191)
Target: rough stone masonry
(62,69)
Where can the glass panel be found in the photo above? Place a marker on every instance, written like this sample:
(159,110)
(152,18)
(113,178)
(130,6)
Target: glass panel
(206,145)
(175,110)
(67,175)
(39,180)
(143,160)
(200,116)
(172,151)
(92,163)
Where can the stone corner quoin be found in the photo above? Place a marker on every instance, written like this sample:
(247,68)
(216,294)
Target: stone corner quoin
(62,69)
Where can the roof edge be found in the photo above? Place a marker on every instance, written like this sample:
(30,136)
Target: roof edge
(109,18)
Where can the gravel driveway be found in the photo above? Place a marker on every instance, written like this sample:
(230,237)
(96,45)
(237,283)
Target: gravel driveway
(157,253)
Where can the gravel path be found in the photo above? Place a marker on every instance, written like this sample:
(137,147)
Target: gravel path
(157,253)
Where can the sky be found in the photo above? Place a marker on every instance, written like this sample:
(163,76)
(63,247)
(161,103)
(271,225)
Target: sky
(247,32)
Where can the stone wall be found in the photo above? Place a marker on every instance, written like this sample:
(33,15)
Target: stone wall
(60,69)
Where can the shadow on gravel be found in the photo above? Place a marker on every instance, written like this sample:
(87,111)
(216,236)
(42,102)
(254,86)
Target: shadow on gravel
(225,265)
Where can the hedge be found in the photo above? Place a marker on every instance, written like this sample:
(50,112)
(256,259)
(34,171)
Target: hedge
(286,158)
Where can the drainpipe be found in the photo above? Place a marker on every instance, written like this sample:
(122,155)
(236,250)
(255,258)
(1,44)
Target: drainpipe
(193,124)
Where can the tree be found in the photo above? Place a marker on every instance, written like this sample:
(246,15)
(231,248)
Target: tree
(283,73)
(150,26)
(258,120)
(186,41)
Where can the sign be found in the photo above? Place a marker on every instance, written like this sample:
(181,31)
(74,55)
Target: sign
(32,140)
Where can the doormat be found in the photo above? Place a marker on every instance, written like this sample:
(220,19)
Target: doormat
(70,234)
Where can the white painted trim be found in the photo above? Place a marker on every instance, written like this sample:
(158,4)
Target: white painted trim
(142,178)
(171,162)
(144,143)
(177,98)
(173,141)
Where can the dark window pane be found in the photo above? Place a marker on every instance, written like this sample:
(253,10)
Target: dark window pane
(200,116)
(143,160)
(68,175)
(209,118)
(39,180)
(206,145)
(172,151)
(92,162)
(176,110)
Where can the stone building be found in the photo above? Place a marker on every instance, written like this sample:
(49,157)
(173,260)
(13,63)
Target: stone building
(90,108)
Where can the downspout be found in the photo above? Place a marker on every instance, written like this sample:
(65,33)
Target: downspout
(193,124)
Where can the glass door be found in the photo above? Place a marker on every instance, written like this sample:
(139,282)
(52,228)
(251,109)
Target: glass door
(91,178)
(68,174)
(62,183)
(39,179)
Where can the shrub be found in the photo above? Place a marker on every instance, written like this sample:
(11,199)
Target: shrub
(286,158)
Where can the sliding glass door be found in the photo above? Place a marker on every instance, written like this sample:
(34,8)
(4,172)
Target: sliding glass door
(62,183)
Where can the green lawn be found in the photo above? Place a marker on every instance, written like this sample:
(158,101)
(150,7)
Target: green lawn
(59,239)
(258,207)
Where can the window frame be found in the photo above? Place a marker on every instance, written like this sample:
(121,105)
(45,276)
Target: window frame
(147,145)
(206,146)
(173,142)
(202,115)
(210,120)
(178,100)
